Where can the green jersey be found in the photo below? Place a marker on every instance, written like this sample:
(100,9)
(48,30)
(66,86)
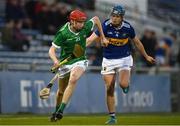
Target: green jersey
(66,40)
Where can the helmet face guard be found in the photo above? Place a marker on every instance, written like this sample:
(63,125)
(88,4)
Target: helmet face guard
(78,15)
(118,10)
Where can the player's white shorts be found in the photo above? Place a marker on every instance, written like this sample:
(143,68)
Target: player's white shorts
(65,69)
(111,66)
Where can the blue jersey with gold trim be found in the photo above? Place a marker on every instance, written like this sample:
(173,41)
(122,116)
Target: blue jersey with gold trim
(119,46)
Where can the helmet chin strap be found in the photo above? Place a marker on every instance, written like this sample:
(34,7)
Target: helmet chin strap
(117,26)
(73,28)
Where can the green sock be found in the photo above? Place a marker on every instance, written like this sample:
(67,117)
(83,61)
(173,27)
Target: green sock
(61,108)
(57,106)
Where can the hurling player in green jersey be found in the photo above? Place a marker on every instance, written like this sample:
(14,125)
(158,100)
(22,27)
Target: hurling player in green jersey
(72,33)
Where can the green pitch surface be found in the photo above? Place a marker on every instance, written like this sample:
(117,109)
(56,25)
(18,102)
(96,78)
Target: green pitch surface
(123,119)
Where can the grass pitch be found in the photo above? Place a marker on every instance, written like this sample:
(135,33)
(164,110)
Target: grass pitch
(123,119)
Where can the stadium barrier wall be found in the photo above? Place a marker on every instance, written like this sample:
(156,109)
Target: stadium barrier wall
(19,93)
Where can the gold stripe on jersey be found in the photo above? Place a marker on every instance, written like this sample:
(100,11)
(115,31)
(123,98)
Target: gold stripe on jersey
(117,41)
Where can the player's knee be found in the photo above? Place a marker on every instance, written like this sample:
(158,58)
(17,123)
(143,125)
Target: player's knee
(73,81)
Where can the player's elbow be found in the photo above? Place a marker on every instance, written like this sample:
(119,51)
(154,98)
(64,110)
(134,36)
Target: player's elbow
(96,19)
(137,42)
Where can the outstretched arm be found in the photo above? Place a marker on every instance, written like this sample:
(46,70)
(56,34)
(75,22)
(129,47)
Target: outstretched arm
(142,50)
(99,26)
(91,39)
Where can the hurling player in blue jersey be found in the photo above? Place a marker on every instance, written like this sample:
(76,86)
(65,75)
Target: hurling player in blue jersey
(117,55)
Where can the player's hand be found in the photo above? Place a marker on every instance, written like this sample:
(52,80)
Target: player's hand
(56,63)
(150,59)
(55,67)
(104,42)
(44,93)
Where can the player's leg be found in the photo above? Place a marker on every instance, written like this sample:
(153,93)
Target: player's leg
(62,83)
(124,79)
(110,83)
(110,99)
(109,75)
(75,74)
(125,72)
(77,69)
